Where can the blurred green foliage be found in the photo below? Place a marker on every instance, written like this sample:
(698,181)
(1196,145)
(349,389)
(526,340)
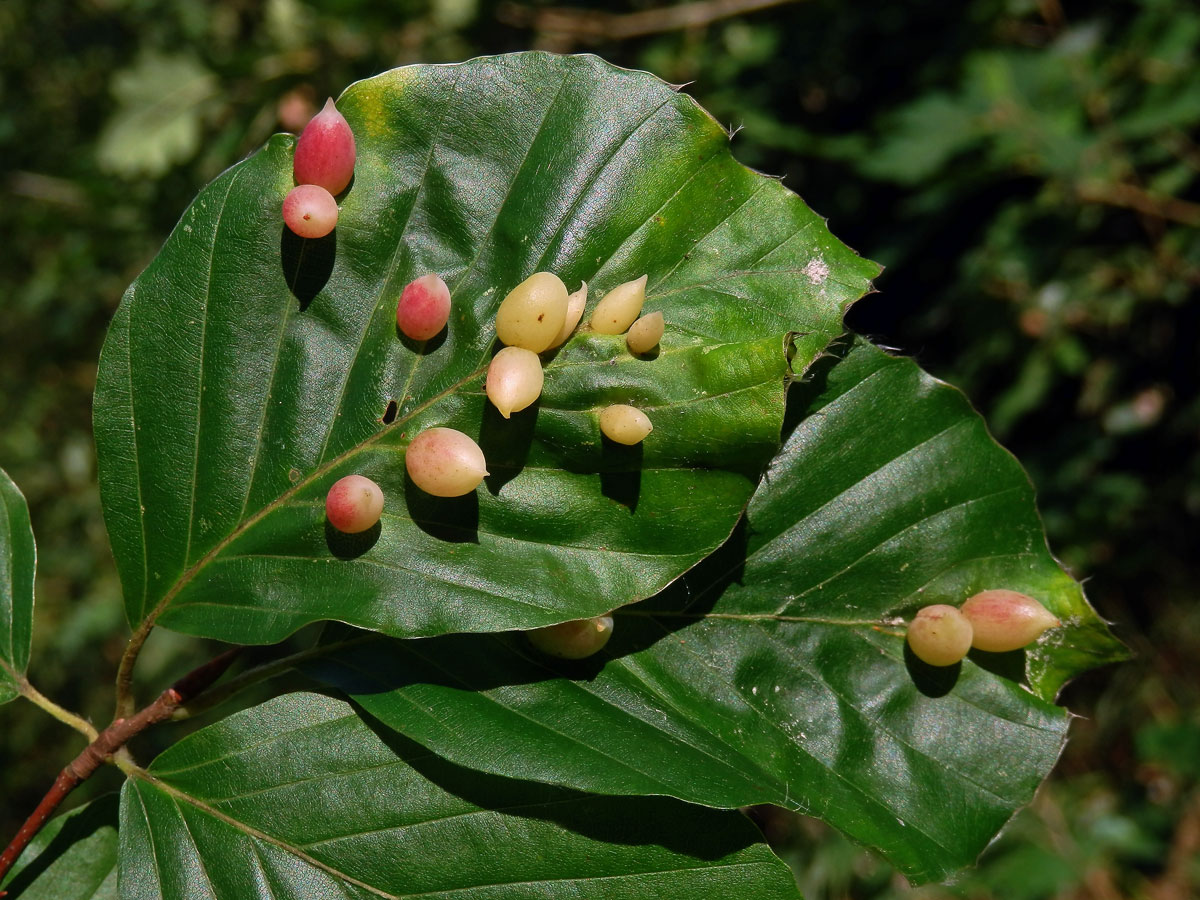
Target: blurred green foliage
(1028,171)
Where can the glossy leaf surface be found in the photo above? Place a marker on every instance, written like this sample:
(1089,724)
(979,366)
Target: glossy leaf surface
(300,798)
(776,672)
(18,560)
(246,370)
(74,857)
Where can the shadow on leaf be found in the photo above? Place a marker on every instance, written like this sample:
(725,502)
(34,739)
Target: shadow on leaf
(307,263)
(481,662)
(621,475)
(932,681)
(451,519)
(1010,665)
(812,384)
(627,821)
(422,348)
(351,546)
(505,443)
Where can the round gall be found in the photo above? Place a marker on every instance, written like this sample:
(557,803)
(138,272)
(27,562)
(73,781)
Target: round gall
(353,504)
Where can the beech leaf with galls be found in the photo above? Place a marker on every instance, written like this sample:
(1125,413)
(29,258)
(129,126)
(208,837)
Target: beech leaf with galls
(776,670)
(247,369)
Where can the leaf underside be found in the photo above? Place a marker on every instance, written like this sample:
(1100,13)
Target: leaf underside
(18,561)
(300,798)
(776,672)
(246,370)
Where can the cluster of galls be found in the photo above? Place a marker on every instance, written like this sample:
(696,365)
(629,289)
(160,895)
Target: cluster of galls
(537,315)
(322,166)
(996,621)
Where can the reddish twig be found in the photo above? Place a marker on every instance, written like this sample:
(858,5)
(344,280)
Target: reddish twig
(109,741)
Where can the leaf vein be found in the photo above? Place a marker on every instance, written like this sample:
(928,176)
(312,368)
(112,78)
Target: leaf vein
(483,240)
(595,176)
(212,255)
(393,265)
(252,832)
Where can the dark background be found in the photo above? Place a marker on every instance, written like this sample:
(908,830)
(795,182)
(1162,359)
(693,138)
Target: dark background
(1027,170)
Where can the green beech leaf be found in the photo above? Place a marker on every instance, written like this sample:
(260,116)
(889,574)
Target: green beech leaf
(776,671)
(246,370)
(74,857)
(301,798)
(18,560)
(159,117)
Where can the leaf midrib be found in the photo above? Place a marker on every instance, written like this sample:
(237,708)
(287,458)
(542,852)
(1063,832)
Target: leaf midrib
(391,273)
(177,795)
(196,568)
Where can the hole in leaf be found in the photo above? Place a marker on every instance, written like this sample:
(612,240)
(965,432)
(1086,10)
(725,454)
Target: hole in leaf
(389,414)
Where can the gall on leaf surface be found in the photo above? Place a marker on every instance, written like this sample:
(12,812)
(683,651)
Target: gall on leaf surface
(303,798)
(18,560)
(776,670)
(246,370)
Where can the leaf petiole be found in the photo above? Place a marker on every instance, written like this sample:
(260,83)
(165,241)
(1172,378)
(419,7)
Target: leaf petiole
(36,697)
(108,744)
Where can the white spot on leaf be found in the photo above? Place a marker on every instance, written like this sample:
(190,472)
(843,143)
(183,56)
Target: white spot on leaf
(817,270)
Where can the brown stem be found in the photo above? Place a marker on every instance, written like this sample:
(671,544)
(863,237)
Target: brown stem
(598,25)
(1129,196)
(109,741)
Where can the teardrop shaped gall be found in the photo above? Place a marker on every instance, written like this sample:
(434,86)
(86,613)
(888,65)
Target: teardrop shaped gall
(625,424)
(620,307)
(514,379)
(576,301)
(645,333)
(533,313)
(325,151)
(445,462)
(1007,620)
